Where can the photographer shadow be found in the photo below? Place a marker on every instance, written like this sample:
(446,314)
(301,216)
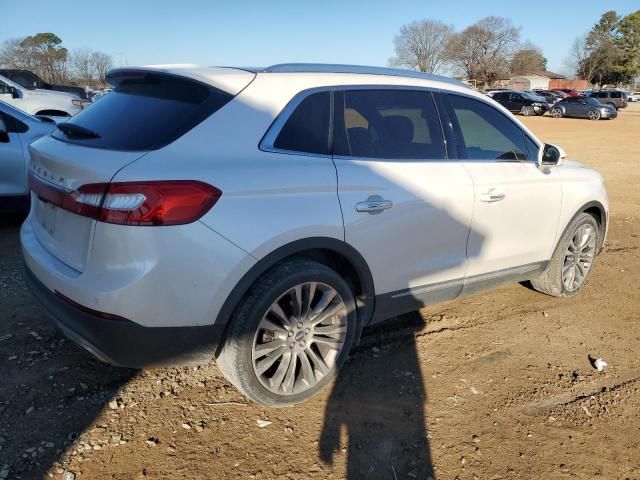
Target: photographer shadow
(375,413)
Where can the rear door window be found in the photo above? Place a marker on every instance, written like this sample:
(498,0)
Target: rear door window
(307,129)
(386,123)
(146,111)
(483,132)
(616,95)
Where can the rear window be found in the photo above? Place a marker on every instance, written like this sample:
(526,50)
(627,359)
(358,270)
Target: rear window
(145,111)
(616,94)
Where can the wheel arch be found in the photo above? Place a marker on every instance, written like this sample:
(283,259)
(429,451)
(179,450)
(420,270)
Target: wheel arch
(597,211)
(336,254)
(53,112)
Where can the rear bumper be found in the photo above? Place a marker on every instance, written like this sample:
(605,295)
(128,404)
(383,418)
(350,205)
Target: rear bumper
(125,343)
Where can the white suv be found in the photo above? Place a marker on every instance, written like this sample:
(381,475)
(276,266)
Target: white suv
(264,217)
(39,102)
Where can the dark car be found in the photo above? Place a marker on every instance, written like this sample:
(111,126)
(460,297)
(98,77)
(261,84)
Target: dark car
(30,80)
(582,107)
(614,98)
(521,102)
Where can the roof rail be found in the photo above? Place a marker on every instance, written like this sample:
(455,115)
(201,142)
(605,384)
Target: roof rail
(358,69)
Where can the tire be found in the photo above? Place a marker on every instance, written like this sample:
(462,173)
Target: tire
(552,281)
(556,112)
(611,104)
(528,110)
(247,339)
(594,115)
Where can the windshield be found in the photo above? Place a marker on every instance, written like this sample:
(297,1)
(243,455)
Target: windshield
(23,78)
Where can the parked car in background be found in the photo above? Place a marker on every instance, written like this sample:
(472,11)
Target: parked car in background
(583,107)
(17,131)
(31,81)
(522,102)
(567,91)
(634,97)
(614,98)
(491,91)
(162,249)
(39,102)
(549,96)
(97,95)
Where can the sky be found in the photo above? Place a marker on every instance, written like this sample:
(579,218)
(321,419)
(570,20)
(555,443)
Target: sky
(261,33)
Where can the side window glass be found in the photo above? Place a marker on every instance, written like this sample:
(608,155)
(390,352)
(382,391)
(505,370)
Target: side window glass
(485,133)
(616,95)
(532,148)
(307,129)
(391,124)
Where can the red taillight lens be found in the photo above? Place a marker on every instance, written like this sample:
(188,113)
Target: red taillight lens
(166,202)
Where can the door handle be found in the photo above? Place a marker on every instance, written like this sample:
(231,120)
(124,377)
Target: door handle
(372,206)
(492,196)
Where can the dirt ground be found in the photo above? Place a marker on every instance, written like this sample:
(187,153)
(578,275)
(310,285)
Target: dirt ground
(495,386)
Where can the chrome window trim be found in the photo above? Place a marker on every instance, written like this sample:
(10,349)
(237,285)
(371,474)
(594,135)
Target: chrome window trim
(267,142)
(269,138)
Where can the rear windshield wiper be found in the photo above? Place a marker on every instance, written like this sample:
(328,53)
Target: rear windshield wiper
(73,130)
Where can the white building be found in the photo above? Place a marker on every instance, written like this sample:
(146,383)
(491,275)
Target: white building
(528,82)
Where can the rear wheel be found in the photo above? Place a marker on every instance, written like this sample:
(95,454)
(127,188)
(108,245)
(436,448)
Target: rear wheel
(527,110)
(556,112)
(594,115)
(572,260)
(291,334)
(611,104)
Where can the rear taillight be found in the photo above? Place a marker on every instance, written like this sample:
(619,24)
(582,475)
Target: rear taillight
(165,202)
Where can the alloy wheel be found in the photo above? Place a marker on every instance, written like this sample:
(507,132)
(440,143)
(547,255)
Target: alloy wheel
(556,113)
(579,257)
(594,115)
(527,111)
(299,338)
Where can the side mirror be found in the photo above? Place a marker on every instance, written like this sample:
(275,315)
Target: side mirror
(4,135)
(551,155)
(15,93)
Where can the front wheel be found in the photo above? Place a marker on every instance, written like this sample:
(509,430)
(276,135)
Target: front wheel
(556,112)
(527,110)
(291,334)
(572,260)
(594,115)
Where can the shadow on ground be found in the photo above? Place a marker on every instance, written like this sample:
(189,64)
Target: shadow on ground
(380,419)
(50,389)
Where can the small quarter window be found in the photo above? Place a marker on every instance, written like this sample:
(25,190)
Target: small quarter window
(307,129)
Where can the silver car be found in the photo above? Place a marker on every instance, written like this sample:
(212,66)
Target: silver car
(17,131)
(583,107)
(263,218)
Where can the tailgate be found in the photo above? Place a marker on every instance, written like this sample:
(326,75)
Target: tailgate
(64,167)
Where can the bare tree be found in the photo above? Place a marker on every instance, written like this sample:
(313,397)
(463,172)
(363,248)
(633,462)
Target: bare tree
(422,46)
(11,54)
(582,60)
(81,60)
(102,63)
(528,59)
(483,51)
